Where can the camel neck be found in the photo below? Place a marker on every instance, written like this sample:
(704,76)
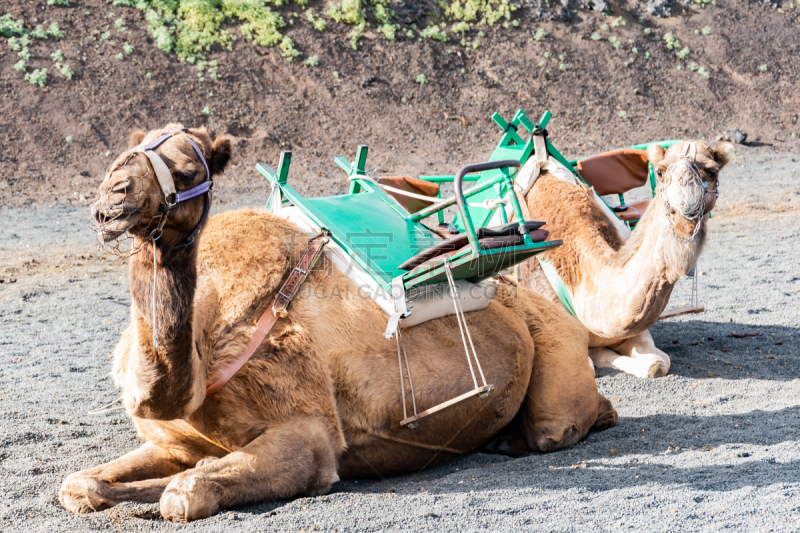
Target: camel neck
(162,383)
(176,279)
(618,288)
(654,250)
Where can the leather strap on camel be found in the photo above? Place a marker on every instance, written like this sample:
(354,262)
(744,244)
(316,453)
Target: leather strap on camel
(276,311)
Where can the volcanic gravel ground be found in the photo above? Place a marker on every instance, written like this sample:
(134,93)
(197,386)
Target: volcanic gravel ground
(714,445)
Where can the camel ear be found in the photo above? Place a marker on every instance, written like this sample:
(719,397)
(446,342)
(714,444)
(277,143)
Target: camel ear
(723,153)
(135,138)
(221,153)
(655,154)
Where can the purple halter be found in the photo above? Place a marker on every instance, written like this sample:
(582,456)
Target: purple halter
(179,197)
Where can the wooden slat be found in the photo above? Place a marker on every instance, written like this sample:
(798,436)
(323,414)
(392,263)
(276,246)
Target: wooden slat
(471,395)
(678,311)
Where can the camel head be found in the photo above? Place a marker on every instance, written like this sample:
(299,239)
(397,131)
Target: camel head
(688,178)
(131,200)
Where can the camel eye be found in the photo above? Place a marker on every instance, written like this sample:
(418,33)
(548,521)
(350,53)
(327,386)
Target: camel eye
(185,175)
(660,173)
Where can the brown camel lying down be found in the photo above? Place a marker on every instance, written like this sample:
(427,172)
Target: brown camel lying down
(320,399)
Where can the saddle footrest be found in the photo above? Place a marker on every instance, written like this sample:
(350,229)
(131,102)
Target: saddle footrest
(489,239)
(480,392)
(678,311)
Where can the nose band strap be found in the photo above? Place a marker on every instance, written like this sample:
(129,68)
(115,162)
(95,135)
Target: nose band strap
(163,174)
(164,177)
(689,151)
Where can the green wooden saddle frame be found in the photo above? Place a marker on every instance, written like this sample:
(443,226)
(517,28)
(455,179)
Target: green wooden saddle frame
(378,234)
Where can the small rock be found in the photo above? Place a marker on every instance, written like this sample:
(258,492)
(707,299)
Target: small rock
(232,516)
(770,356)
(711,375)
(728,363)
(674,341)
(735,135)
(778,343)
(613,452)
(597,5)
(659,8)
(694,385)
(738,335)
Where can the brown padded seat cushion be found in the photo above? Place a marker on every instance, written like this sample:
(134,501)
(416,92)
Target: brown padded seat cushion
(629,215)
(455,244)
(615,172)
(413,185)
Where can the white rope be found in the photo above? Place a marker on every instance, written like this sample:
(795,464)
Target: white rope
(431,199)
(490,203)
(408,370)
(402,380)
(459,319)
(107,407)
(154,317)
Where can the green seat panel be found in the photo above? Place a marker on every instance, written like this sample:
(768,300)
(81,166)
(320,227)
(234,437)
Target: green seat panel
(373,230)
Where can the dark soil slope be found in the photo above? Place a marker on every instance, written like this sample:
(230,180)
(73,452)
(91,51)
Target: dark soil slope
(602,97)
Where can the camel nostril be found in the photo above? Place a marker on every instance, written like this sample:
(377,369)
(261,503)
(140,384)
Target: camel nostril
(121,186)
(99,216)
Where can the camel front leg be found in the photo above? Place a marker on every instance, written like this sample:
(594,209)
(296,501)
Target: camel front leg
(139,476)
(637,356)
(295,458)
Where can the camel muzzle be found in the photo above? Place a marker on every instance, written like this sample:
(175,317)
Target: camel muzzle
(685,192)
(109,222)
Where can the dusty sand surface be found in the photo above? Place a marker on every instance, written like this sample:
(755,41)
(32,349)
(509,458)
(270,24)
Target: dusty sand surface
(713,446)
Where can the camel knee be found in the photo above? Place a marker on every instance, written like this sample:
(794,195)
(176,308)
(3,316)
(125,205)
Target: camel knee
(84,494)
(188,498)
(206,461)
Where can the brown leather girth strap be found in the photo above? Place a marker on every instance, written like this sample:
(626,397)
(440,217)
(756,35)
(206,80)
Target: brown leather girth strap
(275,311)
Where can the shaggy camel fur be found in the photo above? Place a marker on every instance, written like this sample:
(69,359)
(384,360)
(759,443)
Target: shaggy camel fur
(320,399)
(619,289)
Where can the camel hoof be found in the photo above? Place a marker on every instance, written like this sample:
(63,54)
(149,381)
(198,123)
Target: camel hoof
(657,369)
(322,491)
(81,494)
(607,416)
(185,499)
